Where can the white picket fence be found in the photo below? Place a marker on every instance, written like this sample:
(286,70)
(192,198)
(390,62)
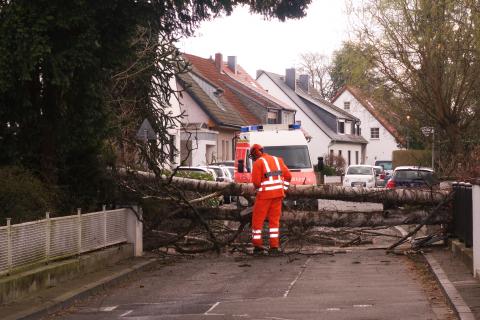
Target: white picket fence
(55,238)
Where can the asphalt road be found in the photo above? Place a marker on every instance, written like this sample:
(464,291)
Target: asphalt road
(360,284)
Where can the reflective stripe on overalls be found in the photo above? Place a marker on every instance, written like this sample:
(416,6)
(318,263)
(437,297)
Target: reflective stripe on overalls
(271,184)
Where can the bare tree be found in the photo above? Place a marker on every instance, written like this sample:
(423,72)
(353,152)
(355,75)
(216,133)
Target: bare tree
(317,66)
(427,54)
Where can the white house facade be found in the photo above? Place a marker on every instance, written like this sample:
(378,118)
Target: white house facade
(333,132)
(382,137)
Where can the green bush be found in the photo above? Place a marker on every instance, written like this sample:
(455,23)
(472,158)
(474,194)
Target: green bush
(194,175)
(329,171)
(421,158)
(23,197)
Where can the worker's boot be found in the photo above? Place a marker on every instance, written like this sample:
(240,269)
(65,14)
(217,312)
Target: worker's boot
(274,252)
(257,251)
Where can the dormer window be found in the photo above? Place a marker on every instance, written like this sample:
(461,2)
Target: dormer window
(346,105)
(341,127)
(272,117)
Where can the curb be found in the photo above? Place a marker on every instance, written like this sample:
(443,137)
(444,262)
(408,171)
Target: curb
(454,298)
(65,300)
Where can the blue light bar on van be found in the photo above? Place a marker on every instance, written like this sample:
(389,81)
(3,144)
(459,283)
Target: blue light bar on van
(251,128)
(294,126)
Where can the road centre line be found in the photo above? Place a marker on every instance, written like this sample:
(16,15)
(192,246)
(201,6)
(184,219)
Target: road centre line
(126,313)
(212,307)
(304,266)
(107,309)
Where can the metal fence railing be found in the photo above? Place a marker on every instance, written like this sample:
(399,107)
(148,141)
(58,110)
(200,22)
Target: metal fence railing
(462,212)
(54,238)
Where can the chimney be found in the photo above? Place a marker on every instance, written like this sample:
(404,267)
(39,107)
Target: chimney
(218,61)
(303,82)
(232,63)
(290,78)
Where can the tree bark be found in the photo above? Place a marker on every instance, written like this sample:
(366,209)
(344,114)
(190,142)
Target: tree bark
(333,218)
(378,195)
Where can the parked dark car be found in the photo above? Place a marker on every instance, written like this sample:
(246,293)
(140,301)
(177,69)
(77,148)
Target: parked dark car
(412,177)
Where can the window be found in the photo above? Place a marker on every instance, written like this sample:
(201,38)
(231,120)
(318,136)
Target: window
(339,153)
(223,150)
(374,133)
(172,149)
(346,105)
(341,127)
(359,131)
(349,157)
(331,157)
(272,117)
(356,157)
(227,150)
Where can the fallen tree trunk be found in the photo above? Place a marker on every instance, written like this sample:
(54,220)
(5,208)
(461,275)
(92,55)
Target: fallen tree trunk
(332,192)
(379,195)
(334,218)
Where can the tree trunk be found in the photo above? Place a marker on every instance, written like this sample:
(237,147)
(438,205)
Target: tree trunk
(333,218)
(378,195)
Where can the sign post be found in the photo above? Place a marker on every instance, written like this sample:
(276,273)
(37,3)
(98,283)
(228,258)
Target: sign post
(426,132)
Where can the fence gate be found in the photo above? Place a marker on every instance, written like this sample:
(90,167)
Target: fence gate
(462,212)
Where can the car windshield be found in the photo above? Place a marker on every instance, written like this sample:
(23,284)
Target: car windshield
(414,175)
(378,170)
(295,157)
(231,171)
(218,171)
(360,170)
(387,165)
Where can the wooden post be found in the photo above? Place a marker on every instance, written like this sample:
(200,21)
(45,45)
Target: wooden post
(79,230)
(104,209)
(48,229)
(9,246)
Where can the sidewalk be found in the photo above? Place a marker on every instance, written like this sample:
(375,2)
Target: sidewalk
(457,281)
(53,299)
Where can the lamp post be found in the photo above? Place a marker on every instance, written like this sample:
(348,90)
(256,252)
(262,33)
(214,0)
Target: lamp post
(426,132)
(408,132)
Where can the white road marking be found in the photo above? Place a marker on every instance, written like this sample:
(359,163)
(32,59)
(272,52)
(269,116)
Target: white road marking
(126,313)
(304,266)
(275,318)
(333,309)
(362,305)
(107,309)
(212,307)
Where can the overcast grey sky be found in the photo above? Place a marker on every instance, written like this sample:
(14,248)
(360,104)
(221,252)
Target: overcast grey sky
(272,45)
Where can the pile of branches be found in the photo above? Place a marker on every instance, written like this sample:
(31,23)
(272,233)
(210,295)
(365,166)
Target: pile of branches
(179,214)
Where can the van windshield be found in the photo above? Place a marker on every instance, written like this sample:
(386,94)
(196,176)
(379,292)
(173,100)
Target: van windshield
(387,165)
(295,157)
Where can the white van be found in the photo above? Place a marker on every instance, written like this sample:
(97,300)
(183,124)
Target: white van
(281,140)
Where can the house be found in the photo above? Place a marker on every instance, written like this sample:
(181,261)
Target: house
(218,98)
(382,136)
(333,131)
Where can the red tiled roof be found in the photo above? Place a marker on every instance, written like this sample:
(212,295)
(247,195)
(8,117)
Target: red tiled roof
(207,69)
(248,85)
(370,104)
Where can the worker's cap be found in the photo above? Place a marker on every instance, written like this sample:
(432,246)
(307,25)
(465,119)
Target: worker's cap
(256,150)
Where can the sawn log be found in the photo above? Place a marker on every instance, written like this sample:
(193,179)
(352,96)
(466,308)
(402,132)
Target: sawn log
(335,219)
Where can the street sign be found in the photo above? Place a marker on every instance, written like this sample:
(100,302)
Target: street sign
(146,132)
(427,131)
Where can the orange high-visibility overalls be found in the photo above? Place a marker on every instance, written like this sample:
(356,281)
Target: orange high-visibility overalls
(271,178)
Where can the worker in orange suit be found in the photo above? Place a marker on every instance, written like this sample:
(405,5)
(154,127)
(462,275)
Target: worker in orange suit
(271,179)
